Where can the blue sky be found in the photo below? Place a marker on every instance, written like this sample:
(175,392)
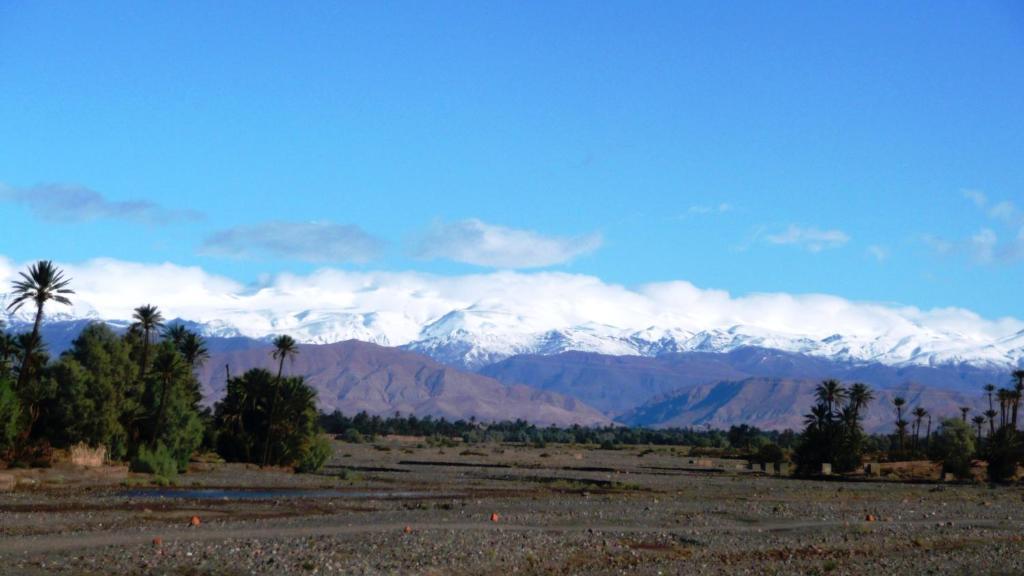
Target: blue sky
(873,151)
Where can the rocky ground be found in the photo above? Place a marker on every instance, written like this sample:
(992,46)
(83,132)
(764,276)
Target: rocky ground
(402,507)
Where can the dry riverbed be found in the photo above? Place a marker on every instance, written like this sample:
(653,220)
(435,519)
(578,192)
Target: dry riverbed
(402,507)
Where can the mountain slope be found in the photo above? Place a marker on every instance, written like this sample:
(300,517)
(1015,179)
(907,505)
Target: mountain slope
(780,403)
(618,384)
(354,376)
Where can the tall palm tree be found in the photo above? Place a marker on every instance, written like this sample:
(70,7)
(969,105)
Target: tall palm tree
(284,347)
(830,392)
(1018,389)
(963,413)
(147,319)
(989,390)
(901,425)
(991,416)
(1003,395)
(919,414)
(928,436)
(43,282)
(978,422)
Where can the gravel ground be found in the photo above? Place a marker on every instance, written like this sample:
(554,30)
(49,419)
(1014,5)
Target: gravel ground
(404,508)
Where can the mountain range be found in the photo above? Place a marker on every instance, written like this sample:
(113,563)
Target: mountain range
(468,365)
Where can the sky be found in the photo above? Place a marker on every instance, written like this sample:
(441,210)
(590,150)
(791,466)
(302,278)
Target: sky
(873,151)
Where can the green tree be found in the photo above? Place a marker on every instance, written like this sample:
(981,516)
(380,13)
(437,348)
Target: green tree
(173,420)
(42,283)
(284,347)
(95,384)
(242,419)
(10,412)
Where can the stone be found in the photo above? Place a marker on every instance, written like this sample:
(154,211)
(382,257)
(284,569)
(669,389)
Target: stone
(948,477)
(768,467)
(873,469)
(783,468)
(826,469)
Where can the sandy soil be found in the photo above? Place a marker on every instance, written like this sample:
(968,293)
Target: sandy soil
(407,508)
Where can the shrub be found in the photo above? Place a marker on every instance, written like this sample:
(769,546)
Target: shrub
(9,412)
(315,453)
(353,436)
(158,461)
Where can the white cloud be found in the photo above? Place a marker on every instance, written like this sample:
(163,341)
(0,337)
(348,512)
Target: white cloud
(71,203)
(710,209)
(1000,242)
(323,242)
(400,305)
(879,253)
(811,239)
(476,242)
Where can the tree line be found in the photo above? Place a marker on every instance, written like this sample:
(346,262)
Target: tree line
(137,394)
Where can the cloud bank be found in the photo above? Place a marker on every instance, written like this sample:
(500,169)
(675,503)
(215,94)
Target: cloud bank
(70,203)
(476,242)
(318,242)
(401,305)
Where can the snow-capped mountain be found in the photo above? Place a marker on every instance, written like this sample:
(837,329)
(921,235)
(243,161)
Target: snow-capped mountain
(474,336)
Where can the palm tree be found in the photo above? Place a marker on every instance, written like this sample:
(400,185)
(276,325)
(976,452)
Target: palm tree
(1003,395)
(1018,389)
(284,347)
(991,415)
(963,413)
(42,283)
(176,334)
(978,422)
(989,390)
(830,392)
(818,418)
(901,425)
(919,414)
(193,348)
(928,436)
(147,319)
(860,396)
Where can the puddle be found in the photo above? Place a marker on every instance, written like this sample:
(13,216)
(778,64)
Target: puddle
(228,494)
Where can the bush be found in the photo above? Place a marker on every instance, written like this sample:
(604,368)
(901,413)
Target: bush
(954,447)
(158,461)
(770,453)
(353,436)
(315,453)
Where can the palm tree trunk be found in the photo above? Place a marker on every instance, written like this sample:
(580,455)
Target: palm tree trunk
(23,372)
(145,354)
